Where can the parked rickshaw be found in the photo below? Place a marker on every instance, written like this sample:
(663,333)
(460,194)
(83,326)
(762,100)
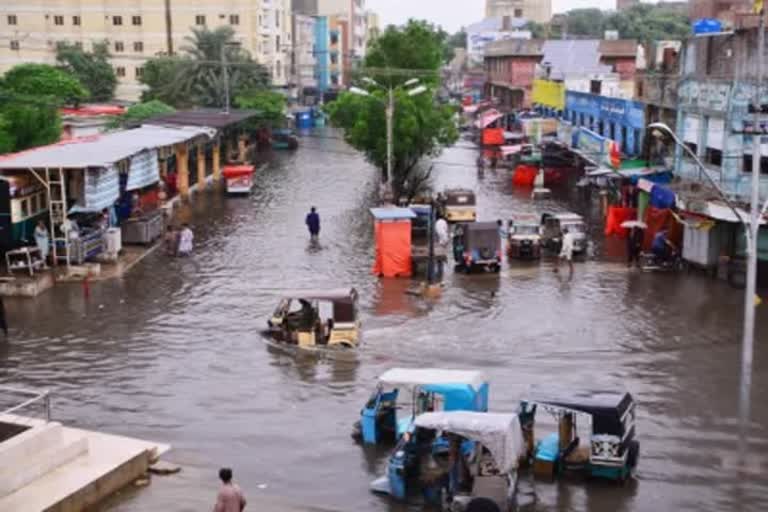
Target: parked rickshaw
(524,237)
(453,458)
(553,225)
(610,449)
(459,205)
(477,245)
(402,394)
(316,319)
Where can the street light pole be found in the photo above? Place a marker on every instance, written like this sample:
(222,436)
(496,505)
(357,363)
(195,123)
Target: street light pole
(390,143)
(225,72)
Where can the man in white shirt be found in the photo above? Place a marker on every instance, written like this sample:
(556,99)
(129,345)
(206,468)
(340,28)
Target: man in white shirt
(441,231)
(566,252)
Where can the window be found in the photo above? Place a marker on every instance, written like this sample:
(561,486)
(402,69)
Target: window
(79,44)
(199,19)
(714,157)
(693,147)
(595,86)
(119,47)
(15,45)
(748,163)
(58,20)
(117,20)
(138,47)
(278,69)
(12,20)
(277,19)
(136,20)
(277,43)
(334,59)
(34,203)
(139,72)
(76,21)
(518,13)
(120,71)
(24,208)
(234,19)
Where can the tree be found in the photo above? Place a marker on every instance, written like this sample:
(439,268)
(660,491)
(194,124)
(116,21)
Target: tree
(457,40)
(196,78)
(644,22)
(135,114)
(417,46)
(32,121)
(420,127)
(7,139)
(92,68)
(270,104)
(45,80)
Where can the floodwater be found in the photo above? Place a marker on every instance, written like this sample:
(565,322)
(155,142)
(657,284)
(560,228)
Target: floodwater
(171,352)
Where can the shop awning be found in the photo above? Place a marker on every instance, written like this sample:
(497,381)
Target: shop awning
(511,150)
(101,190)
(101,150)
(488,118)
(143,171)
(723,213)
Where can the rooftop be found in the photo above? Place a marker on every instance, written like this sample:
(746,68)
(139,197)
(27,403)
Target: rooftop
(210,118)
(515,47)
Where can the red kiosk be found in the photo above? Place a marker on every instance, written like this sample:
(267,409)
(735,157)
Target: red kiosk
(239,178)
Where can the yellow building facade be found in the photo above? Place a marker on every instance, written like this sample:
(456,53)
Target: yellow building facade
(137,30)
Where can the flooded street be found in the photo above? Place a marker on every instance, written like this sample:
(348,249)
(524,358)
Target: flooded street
(171,353)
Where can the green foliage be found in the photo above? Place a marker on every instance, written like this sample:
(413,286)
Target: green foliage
(135,114)
(416,46)
(44,80)
(453,41)
(7,139)
(270,104)
(32,121)
(92,68)
(644,22)
(196,78)
(538,30)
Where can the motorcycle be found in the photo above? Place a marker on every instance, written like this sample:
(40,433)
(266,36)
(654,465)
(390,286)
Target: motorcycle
(650,262)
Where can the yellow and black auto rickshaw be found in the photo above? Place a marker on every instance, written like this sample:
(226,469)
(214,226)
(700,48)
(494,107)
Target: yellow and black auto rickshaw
(317,319)
(459,205)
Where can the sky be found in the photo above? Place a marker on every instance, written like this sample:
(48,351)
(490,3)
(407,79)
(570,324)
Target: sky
(453,14)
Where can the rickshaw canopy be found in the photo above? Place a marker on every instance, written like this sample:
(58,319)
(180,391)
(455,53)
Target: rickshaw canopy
(500,433)
(432,376)
(340,295)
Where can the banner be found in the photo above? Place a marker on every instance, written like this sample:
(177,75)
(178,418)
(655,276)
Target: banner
(549,94)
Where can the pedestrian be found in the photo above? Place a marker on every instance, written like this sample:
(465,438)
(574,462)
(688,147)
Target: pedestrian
(186,239)
(566,252)
(441,231)
(42,241)
(171,241)
(230,497)
(3,324)
(313,223)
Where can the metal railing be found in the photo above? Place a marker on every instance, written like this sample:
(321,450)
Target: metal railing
(25,402)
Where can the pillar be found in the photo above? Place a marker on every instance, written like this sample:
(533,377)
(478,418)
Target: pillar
(200,167)
(182,169)
(241,149)
(217,160)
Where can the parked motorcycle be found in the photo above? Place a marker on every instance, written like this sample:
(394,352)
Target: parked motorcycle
(650,262)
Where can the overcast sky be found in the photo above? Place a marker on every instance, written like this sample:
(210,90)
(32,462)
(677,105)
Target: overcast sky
(452,14)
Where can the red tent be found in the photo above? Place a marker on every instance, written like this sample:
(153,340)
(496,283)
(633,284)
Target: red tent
(392,230)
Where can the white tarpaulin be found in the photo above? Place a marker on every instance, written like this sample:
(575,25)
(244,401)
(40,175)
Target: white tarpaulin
(715,133)
(144,170)
(691,129)
(100,190)
(488,117)
(426,376)
(511,150)
(500,433)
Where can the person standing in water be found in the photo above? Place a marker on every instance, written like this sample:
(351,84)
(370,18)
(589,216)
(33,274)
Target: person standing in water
(186,240)
(230,498)
(313,223)
(566,252)
(42,241)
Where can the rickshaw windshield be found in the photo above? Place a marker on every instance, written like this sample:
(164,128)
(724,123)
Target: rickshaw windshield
(526,229)
(460,200)
(573,227)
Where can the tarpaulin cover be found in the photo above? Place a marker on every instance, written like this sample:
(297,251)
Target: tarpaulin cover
(657,219)
(500,433)
(393,249)
(143,171)
(493,137)
(615,217)
(662,197)
(232,171)
(100,190)
(525,175)
(643,199)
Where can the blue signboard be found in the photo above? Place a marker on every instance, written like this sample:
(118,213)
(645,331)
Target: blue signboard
(620,119)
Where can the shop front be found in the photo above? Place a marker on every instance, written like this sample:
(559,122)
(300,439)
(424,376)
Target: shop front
(616,119)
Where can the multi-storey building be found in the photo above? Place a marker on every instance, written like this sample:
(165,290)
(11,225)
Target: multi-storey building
(303,59)
(539,11)
(352,14)
(140,29)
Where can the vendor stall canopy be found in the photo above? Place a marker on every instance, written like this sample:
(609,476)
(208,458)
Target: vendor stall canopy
(102,150)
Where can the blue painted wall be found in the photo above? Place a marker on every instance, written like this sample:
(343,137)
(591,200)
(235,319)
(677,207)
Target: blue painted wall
(322,72)
(623,120)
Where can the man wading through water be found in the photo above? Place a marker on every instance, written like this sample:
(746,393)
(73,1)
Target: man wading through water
(313,224)
(230,498)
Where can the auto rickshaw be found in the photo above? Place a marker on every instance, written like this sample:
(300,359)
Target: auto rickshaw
(316,319)
(453,458)
(459,205)
(477,245)
(403,394)
(524,238)
(553,225)
(610,450)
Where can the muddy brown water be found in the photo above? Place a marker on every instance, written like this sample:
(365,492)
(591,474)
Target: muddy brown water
(171,352)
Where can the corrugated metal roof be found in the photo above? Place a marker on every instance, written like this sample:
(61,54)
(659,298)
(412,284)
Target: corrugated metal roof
(618,48)
(392,213)
(101,150)
(204,117)
(574,56)
(515,47)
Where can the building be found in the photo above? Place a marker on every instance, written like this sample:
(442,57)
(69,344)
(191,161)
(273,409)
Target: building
(322,54)
(600,67)
(137,31)
(623,5)
(489,30)
(340,57)
(715,89)
(353,15)
(539,11)
(373,26)
(718,9)
(303,60)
